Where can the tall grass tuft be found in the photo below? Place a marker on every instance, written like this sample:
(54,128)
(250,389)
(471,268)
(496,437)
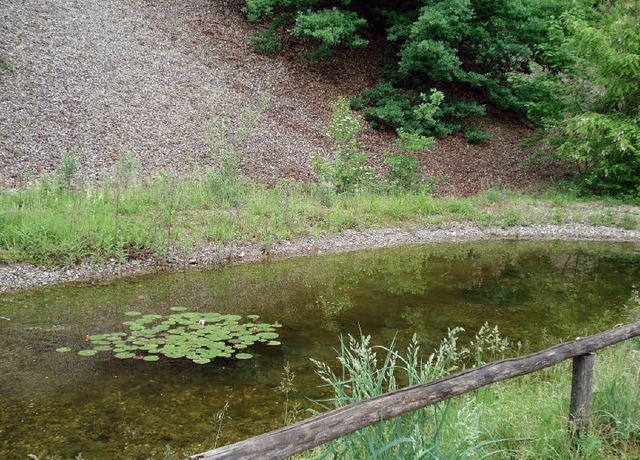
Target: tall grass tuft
(522,418)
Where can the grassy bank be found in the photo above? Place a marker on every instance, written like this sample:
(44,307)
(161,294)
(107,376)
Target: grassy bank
(50,222)
(522,418)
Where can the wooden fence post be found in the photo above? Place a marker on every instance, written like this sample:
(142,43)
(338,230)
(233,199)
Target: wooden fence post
(580,395)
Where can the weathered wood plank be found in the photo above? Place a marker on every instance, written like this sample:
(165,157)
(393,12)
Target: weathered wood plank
(326,427)
(580,394)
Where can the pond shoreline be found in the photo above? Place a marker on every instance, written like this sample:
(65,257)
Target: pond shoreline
(21,276)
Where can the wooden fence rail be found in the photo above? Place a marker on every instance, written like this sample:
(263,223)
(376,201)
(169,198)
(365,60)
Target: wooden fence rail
(328,426)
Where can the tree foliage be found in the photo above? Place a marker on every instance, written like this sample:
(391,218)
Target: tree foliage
(594,119)
(570,67)
(455,46)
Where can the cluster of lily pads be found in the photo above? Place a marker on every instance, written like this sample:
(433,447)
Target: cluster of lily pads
(199,337)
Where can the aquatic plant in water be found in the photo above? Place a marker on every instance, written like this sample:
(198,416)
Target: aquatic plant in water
(199,337)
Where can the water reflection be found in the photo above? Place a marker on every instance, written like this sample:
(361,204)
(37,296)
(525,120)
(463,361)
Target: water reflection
(62,404)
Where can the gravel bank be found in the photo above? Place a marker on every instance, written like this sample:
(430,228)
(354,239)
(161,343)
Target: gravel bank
(24,276)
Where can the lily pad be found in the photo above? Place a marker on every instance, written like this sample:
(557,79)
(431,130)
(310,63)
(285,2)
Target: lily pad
(96,337)
(152,317)
(103,348)
(197,336)
(268,335)
(63,349)
(124,355)
(87,352)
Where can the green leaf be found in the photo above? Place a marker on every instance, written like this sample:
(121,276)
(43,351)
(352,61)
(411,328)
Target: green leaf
(87,352)
(103,348)
(124,355)
(268,335)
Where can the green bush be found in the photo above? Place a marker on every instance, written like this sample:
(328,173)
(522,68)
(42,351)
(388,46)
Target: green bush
(606,151)
(404,169)
(475,136)
(330,27)
(345,169)
(427,115)
(456,46)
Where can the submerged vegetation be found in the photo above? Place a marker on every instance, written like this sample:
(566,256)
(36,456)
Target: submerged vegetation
(199,337)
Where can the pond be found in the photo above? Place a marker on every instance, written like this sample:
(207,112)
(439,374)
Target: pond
(60,404)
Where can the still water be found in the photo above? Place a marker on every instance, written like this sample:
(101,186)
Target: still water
(58,405)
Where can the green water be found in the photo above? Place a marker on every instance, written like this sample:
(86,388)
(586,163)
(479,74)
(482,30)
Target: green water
(58,405)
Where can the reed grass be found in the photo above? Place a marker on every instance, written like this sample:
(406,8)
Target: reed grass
(522,418)
(51,222)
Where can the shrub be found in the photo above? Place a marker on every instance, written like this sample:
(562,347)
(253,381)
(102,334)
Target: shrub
(404,169)
(345,170)
(600,131)
(475,136)
(331,28)
(266,42)
(459,46)
(427,115)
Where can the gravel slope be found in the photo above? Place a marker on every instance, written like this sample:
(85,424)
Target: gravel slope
(111,76)
(143,76)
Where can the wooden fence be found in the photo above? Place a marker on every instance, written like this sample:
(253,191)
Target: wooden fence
(328,426)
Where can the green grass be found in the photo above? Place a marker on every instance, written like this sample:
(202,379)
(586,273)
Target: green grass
(522,418)
(52,223)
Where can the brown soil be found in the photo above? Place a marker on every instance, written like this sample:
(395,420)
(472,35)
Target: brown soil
(465,168)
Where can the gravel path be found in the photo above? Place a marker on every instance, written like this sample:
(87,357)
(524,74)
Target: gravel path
(23,276)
